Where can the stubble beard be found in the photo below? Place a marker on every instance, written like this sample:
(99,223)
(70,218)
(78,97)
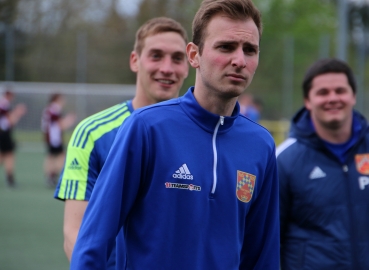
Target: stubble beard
(333,125)
(227,92)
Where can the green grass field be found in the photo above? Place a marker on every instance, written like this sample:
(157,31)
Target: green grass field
(31,230)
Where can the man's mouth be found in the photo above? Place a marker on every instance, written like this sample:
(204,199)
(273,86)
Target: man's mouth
(164,81)
(236,76)
(332,109)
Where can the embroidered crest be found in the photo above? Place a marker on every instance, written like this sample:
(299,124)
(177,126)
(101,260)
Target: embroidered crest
(245,186)
(362,163)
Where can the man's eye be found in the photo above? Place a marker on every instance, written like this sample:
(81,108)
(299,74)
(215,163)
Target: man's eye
(322,93)
(155,56)
(178,58)
(225,47)
(341,91)
(250,50)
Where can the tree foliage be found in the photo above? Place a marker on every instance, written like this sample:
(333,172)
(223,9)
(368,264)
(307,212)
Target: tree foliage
(302,23)
(48,31)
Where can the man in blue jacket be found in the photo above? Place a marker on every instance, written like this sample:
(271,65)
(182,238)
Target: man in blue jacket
(191,181)
(324,176)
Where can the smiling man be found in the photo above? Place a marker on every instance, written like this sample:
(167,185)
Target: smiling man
(324,176)
(192,182)
(159,61)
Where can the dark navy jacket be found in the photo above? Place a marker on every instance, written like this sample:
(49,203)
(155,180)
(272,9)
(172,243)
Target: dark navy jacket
(324,203)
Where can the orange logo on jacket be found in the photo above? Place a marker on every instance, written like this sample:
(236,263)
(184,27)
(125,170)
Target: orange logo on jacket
(362,163)
(245,186)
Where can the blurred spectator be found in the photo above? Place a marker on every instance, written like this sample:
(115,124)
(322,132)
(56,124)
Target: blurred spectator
(258,104)
(324,176)
(53,123)
(250,106)
(8,119)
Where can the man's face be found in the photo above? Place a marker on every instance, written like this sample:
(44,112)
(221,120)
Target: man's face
(229,58)
(161,68)
(331,101)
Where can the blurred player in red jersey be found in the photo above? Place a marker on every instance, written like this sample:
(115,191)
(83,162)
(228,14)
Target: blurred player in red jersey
(53,124)
(9,117)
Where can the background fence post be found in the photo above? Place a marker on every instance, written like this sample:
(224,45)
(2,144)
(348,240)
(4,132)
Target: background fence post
(288,76)
(9,53)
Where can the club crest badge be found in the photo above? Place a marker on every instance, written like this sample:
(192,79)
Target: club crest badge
(245,186)
(362,163)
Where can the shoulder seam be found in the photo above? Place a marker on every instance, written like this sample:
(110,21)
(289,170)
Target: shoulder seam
(171,102)
(91,122)
(284,145)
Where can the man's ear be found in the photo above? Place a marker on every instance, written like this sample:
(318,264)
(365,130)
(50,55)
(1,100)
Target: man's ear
(133,61)
(307,104)
(192,51)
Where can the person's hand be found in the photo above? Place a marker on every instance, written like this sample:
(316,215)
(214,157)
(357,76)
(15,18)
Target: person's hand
(15,114)
(20,110)
(68,121)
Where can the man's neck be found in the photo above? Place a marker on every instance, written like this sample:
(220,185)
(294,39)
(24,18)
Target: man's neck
(214,103)
(140,100)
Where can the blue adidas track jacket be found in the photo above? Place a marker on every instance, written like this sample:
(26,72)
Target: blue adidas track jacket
(191,189)
(324,202)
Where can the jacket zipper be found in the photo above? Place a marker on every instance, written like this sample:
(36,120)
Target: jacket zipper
(345,169)
(215,154)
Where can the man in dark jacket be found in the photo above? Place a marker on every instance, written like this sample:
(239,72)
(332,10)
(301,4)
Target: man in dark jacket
(324,176)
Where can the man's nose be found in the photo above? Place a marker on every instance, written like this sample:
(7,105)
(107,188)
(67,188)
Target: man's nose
(239,58)
(166,65)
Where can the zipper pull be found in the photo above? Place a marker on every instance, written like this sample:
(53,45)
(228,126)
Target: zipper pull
(222,120)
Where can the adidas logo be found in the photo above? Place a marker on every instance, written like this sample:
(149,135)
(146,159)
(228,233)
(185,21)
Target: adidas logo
(74,162)
(74,165)
(183,173)
(317,173)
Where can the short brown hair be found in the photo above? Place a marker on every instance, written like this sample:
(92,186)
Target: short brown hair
(327,65)
(234,9)
(54,97)
(156,26)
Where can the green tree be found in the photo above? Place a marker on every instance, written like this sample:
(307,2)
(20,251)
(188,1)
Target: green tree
(305,22)
(46,46)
